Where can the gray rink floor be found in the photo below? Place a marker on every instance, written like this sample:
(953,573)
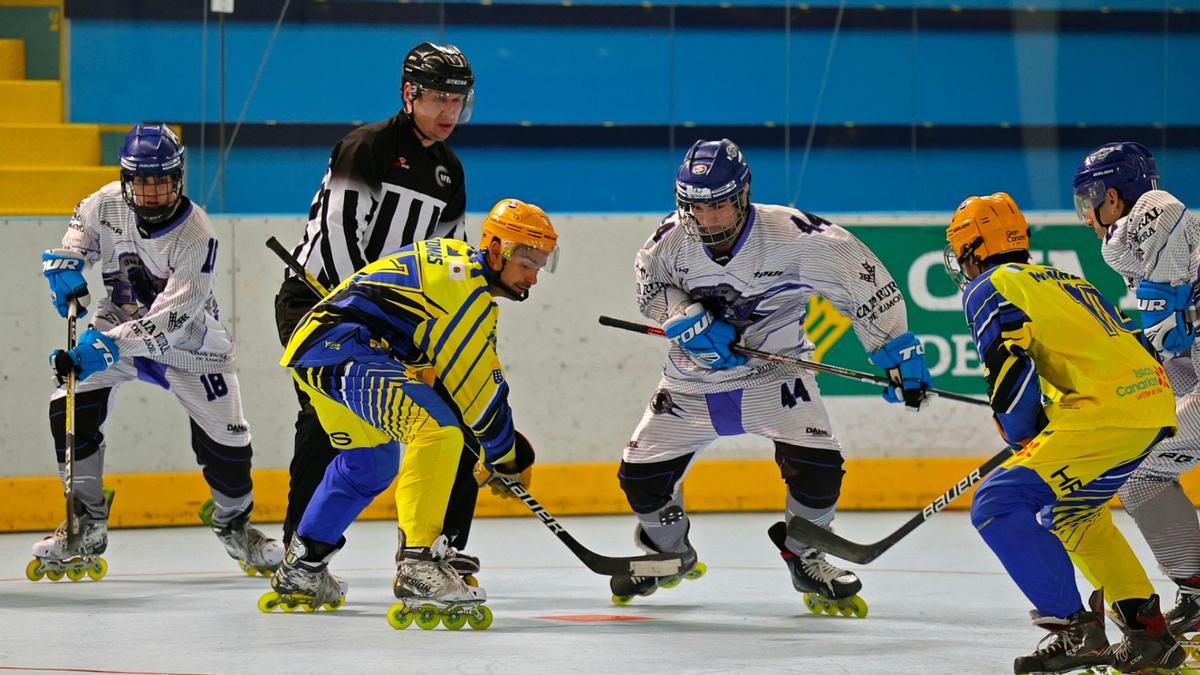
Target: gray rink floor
(173,602)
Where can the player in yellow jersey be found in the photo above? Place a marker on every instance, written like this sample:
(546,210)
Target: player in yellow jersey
(356,354)
(1110,403)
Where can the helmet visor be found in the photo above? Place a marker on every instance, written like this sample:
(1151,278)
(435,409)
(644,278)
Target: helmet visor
(458,103)
(1088,198)
(531,258)
(953,267)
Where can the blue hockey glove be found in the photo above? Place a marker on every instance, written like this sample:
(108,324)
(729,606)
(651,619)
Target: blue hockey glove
(64,270)
(904,360)
(704,337)
(94,353)
(1164,309)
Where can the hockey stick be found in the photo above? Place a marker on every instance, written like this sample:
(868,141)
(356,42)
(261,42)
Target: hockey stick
(793,361)
(654,565)
(69,423)
(820,538)
(657,565)
(286,256)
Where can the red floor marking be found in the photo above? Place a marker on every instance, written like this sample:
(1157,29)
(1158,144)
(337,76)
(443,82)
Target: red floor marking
(595,618)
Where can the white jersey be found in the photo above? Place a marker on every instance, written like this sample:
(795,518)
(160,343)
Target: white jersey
(1158,241)
(160,303)
(782,258)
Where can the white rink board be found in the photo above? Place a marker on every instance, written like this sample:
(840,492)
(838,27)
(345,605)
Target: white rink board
(578,388)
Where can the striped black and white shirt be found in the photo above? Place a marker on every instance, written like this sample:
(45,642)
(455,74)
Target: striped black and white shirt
(383,190)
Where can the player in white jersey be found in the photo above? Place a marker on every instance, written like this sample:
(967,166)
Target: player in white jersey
(1153,241)
(157,252)
(720,271)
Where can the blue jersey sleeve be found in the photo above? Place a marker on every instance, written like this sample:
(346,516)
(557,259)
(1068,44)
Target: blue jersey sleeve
(1001,334)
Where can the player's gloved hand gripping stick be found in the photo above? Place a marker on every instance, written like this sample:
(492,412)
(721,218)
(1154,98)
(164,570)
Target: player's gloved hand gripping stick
(792,361)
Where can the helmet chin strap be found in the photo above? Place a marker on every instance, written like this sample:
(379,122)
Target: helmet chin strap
(493,278)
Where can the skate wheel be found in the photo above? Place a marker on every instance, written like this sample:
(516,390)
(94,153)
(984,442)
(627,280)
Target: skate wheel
(33,571)
(454,619)
(399,617)
(428,617)
(696,572)
(648,592)
(671,582)
(857,606)
(336,604)
(814,603)
(268,601)
(250,571)
(98,569)
(621,600)
(470,580)
(54,575)
(206,511)
(75,573)
(481,618)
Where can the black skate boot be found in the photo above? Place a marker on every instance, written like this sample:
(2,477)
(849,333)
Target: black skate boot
(625,588)
(304,579)
(1148,648)
(1184,617)
(465,564)
(827,589)
(255,552)
(431,591)
(54,556)
(1075,643)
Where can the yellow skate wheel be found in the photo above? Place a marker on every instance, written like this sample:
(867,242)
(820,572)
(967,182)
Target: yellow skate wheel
(75,573)
(98,569)
(428,617)
(399,617)
(481,618)
(470,580)
(813,602)
(454,619)
(33,571)
(54,575)
(336,604)
(671,582)
(621,600)
(268,601)
(696,572)
(648,592)
(250,571)
(858,607)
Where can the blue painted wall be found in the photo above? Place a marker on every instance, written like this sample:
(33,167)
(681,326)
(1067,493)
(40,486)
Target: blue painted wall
(344,73)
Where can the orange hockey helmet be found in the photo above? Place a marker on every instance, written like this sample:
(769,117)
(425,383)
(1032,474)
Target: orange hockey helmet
(981,228)
(520,226)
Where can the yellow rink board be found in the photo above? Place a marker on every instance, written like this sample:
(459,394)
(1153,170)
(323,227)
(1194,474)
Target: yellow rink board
(160,499)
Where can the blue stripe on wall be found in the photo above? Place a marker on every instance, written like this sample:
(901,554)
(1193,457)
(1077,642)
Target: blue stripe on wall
(282,180)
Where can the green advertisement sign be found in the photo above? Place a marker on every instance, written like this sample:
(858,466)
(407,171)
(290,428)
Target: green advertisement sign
(913,255)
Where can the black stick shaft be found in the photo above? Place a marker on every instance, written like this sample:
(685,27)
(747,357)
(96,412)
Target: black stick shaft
(792,361)
(286,256)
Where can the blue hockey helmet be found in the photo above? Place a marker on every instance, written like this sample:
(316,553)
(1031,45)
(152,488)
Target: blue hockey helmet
(713,173)
(152,151)
(1127,167)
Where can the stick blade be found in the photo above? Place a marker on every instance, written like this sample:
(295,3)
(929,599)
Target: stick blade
(824,540)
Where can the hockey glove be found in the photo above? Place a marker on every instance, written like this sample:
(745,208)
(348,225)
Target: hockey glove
(94,353)
(904,360)
(519,469)
(1164,310)
(705,338)
(63,268)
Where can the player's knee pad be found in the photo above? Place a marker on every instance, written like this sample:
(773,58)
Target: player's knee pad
(91,409)
(649,487)
(369,470)
(226,467)
(813,475)
(1011,491)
